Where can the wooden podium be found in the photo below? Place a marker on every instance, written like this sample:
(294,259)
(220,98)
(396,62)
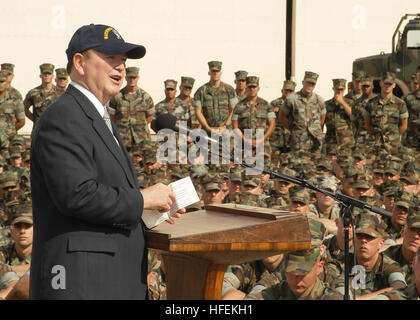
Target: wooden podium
(200,245)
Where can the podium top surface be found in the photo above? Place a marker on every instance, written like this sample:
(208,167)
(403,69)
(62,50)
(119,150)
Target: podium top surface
(230,227)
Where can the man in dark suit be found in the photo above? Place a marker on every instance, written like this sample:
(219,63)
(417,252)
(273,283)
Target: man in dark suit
(88,235)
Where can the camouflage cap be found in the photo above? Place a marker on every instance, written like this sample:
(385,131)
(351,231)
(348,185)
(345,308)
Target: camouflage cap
(215,65)
(324,165)
(358,75)
(199,170)
(388,77)
(288,172)
(61,73)
(369,224)
(311,77)
(187,82)
(170,84)
(413,221)
(3,75)
(212,182)
(132,72)
(251,180)
(8,66)
(358,155)
(339,83)
(301,262)
(289,85)
(327,182)
(362,181)
(236,174)
(299,194)
(410,179)
(23,214)
(367,81)
(9,179)
(403,199)
(47,68)
(241,75)
(252,81)
(393,167)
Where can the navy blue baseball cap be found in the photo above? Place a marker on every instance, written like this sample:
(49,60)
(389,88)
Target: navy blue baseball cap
(104,39)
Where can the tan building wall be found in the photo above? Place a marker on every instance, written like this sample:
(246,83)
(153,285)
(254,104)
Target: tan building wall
(181,36)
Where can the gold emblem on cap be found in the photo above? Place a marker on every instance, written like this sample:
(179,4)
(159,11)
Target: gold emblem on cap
(113,30)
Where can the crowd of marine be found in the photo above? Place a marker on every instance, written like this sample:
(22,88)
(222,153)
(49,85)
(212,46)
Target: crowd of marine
(359,143)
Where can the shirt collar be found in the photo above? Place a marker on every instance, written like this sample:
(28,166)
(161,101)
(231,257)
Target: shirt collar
(92,98)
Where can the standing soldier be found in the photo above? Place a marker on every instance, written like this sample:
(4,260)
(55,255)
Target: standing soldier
(280,137)
(215,101)
(9,67)
(132,110)
(303,113)
(240,84)
(339,133)
(185,89)
(414,82)
(12,112)
(254,113)
(42,96)
(386,117)
(174,106)
(61,79)
(355,94)
(358,124)
(413,105)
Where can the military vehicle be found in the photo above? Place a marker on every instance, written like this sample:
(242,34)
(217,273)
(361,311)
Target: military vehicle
(403,61)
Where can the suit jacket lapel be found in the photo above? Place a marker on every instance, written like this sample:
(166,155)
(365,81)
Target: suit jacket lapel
(100,127)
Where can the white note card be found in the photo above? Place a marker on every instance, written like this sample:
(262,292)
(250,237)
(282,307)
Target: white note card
(185,195)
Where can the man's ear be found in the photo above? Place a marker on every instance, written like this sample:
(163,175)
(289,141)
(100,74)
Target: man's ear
(381,244)
(79,63)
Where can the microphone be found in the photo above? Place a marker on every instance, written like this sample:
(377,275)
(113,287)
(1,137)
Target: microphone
(168,121)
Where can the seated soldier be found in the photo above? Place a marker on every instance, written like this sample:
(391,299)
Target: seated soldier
(380,273)
(213,193)
(392,169)
(399,216)
(325,209)
(412,291)
(280,199)
(299,200)
(405,252)
(359,160)
(235,179)
(389,197)
(301,281)
(240,279)
(19,252)
(363,190)
(251,191)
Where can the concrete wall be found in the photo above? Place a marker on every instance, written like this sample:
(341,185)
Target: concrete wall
(181,36)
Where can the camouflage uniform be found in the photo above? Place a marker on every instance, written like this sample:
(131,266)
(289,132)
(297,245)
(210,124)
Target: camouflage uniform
(61,73)
(189,101)
(384,272)
(9,68)
(279,140)
(131,111)
(304,114)
(240,76)
(40,99)
(297,263)
(216,103)
(338,122)
(178,109)
(385,116)
(360,132)
(253,116)
(413,130)
(353,96)
(245,276)
(11,111)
